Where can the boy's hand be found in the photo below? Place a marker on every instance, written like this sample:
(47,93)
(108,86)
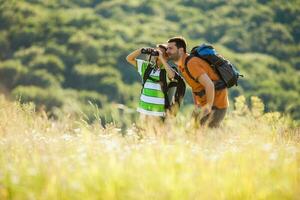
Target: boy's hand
(161,56)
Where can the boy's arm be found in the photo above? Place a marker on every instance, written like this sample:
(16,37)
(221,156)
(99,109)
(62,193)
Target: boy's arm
(169,70)
(133,55)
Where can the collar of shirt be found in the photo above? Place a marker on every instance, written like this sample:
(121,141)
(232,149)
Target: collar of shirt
(181,62)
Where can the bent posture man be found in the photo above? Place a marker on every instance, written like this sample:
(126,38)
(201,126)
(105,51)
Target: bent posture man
(213,103)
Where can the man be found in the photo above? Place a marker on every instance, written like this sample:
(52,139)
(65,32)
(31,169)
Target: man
(213,102)
(152,100)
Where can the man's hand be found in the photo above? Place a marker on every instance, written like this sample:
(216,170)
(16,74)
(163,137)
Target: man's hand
(205,110)
(199,113)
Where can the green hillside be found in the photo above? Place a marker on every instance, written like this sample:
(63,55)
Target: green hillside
(69,56)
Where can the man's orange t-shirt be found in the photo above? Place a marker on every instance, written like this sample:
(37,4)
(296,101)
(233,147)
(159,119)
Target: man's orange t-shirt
(197,67)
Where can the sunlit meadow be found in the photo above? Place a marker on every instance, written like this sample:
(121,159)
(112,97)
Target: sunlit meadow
(255,155)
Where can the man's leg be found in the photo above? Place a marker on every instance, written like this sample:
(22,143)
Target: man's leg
(215,118)
(204,119)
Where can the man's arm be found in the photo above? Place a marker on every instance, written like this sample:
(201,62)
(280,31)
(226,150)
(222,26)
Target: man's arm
(209,91)
(133,55)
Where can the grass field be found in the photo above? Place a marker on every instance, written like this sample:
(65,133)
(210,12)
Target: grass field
(253,156)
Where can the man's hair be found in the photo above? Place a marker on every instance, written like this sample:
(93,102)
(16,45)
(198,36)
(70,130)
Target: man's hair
(179,41)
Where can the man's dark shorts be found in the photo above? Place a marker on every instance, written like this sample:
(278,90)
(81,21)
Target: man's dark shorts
(214,119)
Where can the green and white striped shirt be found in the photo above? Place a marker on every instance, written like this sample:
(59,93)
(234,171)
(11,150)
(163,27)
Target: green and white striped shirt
(152,101)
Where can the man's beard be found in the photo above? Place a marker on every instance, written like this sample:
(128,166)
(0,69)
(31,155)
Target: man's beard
(174,57)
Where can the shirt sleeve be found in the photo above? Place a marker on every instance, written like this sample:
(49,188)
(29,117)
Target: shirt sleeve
(141,66)
(195,66)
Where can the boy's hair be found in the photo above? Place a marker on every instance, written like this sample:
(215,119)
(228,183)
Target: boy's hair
(179,41)
(163,46)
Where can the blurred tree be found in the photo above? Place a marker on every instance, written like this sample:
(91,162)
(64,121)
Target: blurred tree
(50,63)
(10,73)
(81,45)
(49,98)
(39,78)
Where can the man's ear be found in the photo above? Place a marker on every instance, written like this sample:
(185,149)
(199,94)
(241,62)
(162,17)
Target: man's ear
(181,51)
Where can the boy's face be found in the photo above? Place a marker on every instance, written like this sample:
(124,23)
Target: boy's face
(164,52)
(156,59)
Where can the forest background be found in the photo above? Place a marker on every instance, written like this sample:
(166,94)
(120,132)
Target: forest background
(68,57)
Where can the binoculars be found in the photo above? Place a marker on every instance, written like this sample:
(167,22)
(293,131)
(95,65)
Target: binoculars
(150,51)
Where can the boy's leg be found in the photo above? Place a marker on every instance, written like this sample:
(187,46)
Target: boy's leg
(148,124)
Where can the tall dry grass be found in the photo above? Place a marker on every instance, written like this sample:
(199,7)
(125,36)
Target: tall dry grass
(254,155)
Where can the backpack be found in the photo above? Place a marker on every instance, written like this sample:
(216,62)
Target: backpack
(173,91)
(227,72)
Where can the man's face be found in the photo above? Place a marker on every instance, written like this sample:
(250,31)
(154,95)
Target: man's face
(173,51)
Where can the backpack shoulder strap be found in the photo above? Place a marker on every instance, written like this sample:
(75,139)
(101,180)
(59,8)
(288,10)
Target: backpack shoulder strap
(164,86)
(187,69)
(147,74)
(180,91)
